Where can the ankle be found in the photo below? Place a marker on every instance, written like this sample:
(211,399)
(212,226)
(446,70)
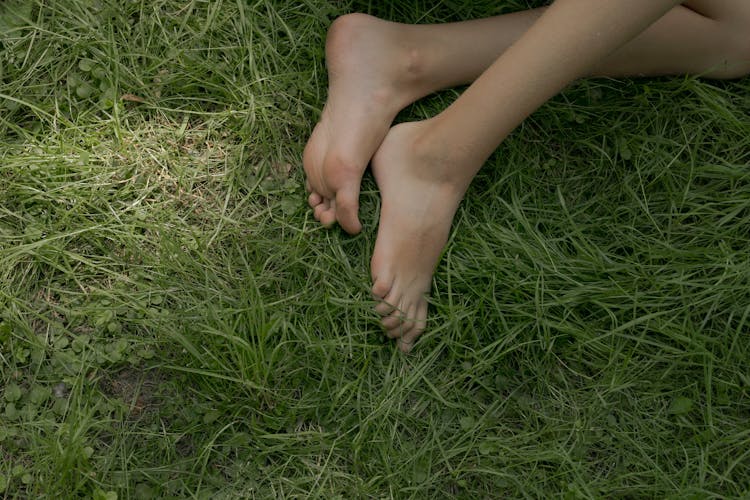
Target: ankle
(448,164)
(416,63)
(409,64)
(390,47)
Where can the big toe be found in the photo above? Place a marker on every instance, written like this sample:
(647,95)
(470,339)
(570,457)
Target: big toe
(382,284)
(347,208)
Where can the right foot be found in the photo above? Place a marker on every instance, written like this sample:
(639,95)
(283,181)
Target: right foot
(371,78)
(420,194)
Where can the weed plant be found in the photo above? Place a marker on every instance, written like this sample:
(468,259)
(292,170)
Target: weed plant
(173,322)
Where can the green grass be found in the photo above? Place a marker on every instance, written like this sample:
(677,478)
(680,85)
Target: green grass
(173,322)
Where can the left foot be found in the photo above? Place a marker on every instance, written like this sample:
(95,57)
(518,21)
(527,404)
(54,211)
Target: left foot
(420,195)
(372,76)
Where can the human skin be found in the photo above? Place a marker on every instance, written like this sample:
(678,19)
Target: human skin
(519,61)
(376,68)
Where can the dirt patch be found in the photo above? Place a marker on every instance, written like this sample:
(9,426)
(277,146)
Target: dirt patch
(140,390)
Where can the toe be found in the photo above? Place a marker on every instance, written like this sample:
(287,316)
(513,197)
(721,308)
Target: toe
(320,208)
(418,321)
(316,214)
(328,217)
(409,327)
(407,336)
(393,324)
(314,199)
(405,344)
(381,287)
(381,292)
(347,206)
(392,321)
(407,341)
(401,325)
(383,308)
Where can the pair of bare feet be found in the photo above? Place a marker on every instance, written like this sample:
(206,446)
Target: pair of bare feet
(372,76)
(516,60)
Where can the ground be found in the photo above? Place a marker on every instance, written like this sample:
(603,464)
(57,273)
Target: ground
(173,322)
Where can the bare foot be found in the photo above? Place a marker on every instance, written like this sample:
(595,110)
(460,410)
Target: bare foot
(420,195)
(372,76)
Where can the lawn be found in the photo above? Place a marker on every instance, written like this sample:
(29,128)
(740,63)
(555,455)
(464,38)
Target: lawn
(174,323)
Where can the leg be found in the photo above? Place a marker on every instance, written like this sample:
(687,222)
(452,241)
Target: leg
(424,168)
(377,67)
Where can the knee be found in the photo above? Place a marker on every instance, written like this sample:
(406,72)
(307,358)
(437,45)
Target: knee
(738,54)
(731,53)
(732,40)
(743,46)
(739,28)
